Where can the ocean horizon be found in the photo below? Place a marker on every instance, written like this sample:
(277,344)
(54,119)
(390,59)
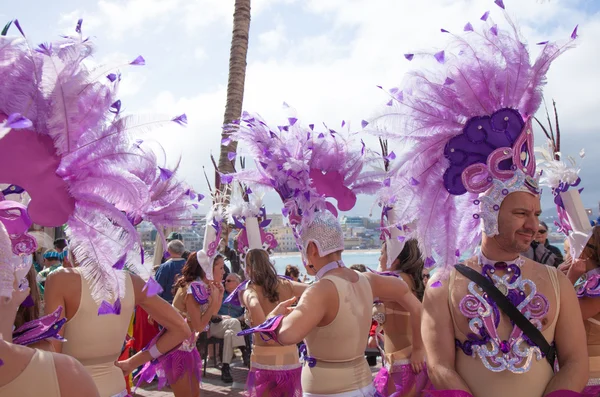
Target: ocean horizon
(369,258)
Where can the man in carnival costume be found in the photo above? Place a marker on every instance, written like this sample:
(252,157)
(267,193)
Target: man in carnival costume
(334,315)
(471,163)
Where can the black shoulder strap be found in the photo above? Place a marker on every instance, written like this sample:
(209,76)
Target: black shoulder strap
(511,311)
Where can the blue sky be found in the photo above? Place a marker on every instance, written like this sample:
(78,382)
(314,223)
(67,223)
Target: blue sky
(324,57)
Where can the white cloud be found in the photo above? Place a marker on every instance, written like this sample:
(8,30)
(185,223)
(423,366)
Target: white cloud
(332,75)
(200,54)
(270,41)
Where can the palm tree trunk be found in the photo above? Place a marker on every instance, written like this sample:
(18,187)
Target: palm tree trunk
(235,85)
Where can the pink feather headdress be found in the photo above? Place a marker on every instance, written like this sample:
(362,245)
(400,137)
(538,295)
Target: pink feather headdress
(79,161)
(305,168)
(468,125)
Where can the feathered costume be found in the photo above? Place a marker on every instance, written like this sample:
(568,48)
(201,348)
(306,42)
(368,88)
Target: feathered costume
(79,162)
(305,168)
(468,128)
(467,125)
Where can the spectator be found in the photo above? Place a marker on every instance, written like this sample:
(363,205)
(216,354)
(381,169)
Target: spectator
(541,251)
(228,310)
(542,238)
(293,273)
(359,268)
(169,272)
(60,244)
(51,264)
(172,237)
(232,256)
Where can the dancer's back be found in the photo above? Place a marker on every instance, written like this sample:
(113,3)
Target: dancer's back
(32,373)
(95,340)
(339,345)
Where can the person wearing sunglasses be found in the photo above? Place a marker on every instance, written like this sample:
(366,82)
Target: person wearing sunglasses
(542,251)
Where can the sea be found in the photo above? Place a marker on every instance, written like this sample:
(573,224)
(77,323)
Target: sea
(367,258)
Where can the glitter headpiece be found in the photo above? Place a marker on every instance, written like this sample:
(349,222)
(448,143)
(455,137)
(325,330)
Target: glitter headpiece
(212,237)
(68,147)
(252,233)
(307,169)
(467,126)
(561,174)
(15,261)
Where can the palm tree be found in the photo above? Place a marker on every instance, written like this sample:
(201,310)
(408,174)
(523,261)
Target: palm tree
(235,85)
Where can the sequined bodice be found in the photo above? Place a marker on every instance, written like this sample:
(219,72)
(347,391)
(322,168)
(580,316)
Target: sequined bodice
(516,352)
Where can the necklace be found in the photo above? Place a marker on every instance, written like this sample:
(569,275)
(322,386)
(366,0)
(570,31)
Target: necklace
(330,266)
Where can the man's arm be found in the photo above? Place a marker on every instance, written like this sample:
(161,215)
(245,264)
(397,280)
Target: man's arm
(438,336)
(570,340)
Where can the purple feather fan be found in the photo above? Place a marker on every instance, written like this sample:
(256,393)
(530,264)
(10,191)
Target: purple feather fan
(114,182)
(481,72)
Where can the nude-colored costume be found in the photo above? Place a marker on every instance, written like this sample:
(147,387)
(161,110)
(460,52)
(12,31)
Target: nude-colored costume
(339,347)
(397,376)
(518,381)
(38,378)
(96,341)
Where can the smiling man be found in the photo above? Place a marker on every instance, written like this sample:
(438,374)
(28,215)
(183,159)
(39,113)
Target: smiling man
(493,325)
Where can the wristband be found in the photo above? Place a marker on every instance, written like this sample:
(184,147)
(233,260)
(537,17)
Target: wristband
(154,352)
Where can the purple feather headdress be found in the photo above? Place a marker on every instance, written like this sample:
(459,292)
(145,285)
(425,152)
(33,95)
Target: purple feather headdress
(305,167)
(83,166)
(468,126)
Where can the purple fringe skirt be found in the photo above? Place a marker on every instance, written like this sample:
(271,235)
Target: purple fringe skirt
(173,366)
(405,381)
(274,381)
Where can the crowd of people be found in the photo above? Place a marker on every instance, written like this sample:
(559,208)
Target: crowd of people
(469,299)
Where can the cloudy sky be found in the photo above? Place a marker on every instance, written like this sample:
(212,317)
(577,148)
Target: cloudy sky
(323,57)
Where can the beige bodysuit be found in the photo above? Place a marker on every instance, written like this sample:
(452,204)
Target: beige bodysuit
(484,382)
(38,379)
(592,330)
(339,347)
(96,341)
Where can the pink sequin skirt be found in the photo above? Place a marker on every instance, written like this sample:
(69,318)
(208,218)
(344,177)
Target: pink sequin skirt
(173,366)
(275,371)
(274,381)
(405,381)
(592,389)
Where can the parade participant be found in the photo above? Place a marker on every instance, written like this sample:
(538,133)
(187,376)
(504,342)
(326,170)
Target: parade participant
(198,296)
(274,370)
(85,169)
(581,244)
(492,326)
(397,377)
(333,316)
(587,288)
(19,365)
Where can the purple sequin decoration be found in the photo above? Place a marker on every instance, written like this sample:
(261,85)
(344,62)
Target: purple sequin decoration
(480,137)
(484,316)
(200,292)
